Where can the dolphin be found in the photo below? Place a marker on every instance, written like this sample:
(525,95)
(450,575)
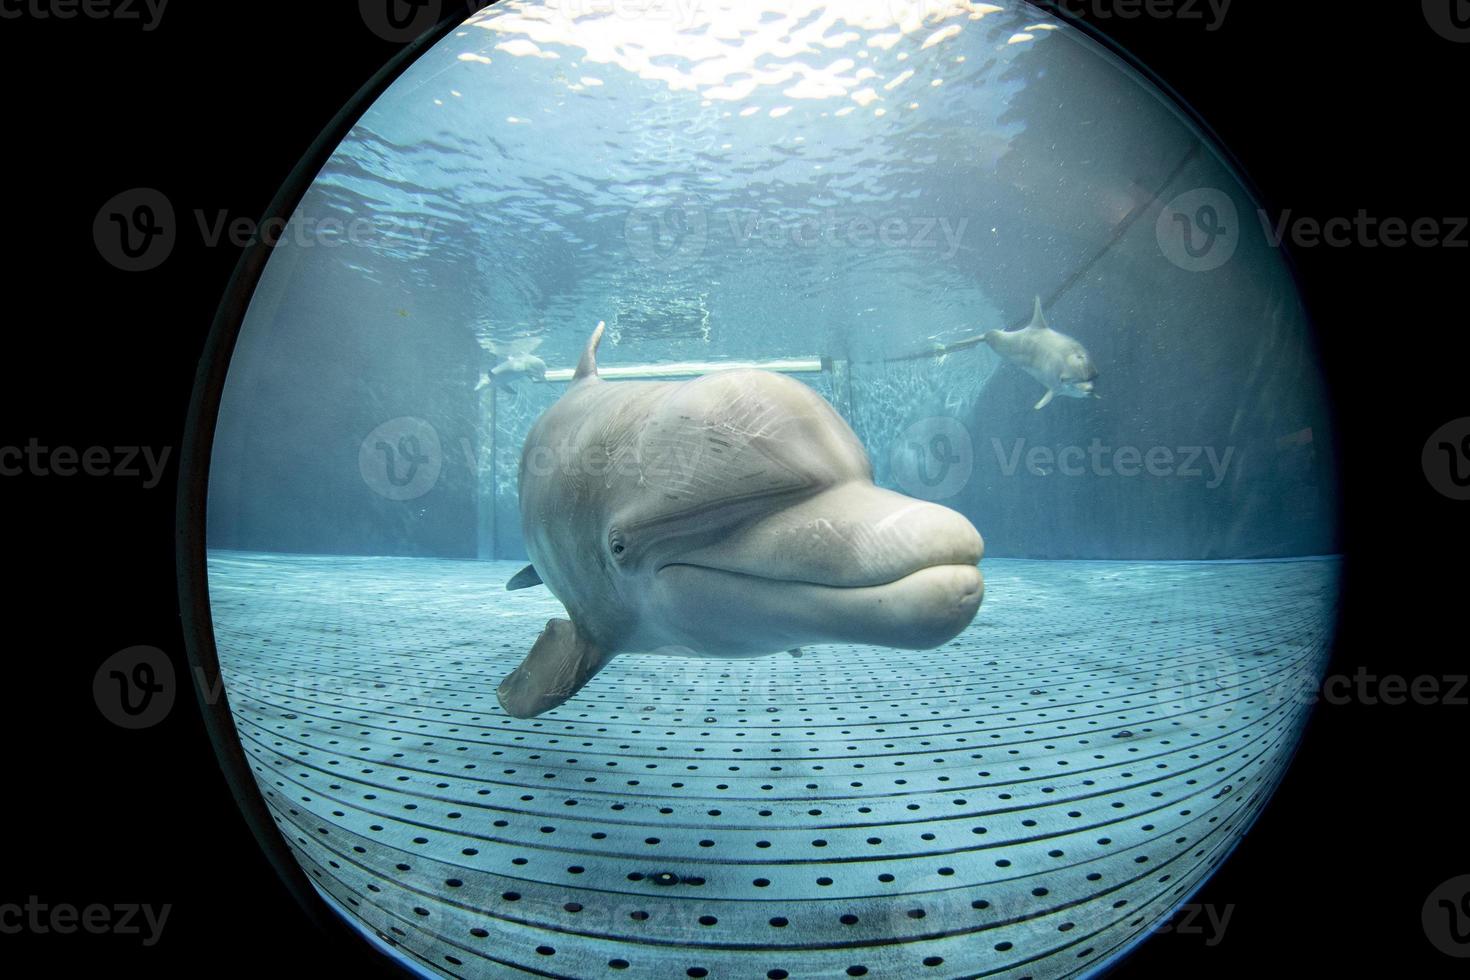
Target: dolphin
(730,515)
(519,361)
(1054,359)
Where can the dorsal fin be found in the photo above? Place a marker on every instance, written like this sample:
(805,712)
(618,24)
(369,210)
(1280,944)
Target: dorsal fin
(1038,322)
(587,366)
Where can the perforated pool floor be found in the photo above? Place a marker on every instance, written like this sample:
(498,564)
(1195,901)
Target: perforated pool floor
(1026,801)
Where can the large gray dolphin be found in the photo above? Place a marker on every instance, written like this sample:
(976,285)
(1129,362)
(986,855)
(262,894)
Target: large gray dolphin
(732,515)
(1051,357)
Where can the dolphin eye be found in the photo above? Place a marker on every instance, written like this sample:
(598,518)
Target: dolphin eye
(616,544)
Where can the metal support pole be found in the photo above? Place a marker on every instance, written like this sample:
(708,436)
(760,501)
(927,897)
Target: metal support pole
(486,505)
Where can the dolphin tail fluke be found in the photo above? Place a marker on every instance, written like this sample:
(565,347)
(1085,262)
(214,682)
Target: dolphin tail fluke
(1038,322)
(587,366)
(559,664)
(1045,399)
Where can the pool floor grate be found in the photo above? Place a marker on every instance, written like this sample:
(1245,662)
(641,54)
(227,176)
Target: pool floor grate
(1026,801)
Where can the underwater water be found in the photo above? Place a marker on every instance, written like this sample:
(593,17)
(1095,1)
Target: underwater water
(852,196)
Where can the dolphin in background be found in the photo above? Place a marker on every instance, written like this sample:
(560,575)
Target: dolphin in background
(518,361)
(1058,361)
(731,515)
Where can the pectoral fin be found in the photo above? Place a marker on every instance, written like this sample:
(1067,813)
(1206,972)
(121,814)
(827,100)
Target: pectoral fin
(559,664)
(1046,399)
(524,579)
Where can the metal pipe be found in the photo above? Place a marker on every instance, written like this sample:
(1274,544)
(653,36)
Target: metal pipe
(689,369)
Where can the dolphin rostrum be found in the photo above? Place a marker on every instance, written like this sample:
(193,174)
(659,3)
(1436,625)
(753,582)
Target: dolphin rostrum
(1054,359)
(731,515)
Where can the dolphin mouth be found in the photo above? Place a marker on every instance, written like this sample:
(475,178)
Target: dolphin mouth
(853,564)
(853,535)
(812,580)
(742,614)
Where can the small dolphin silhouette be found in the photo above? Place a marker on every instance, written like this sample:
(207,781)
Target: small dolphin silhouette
(1059,362)
(518,362)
